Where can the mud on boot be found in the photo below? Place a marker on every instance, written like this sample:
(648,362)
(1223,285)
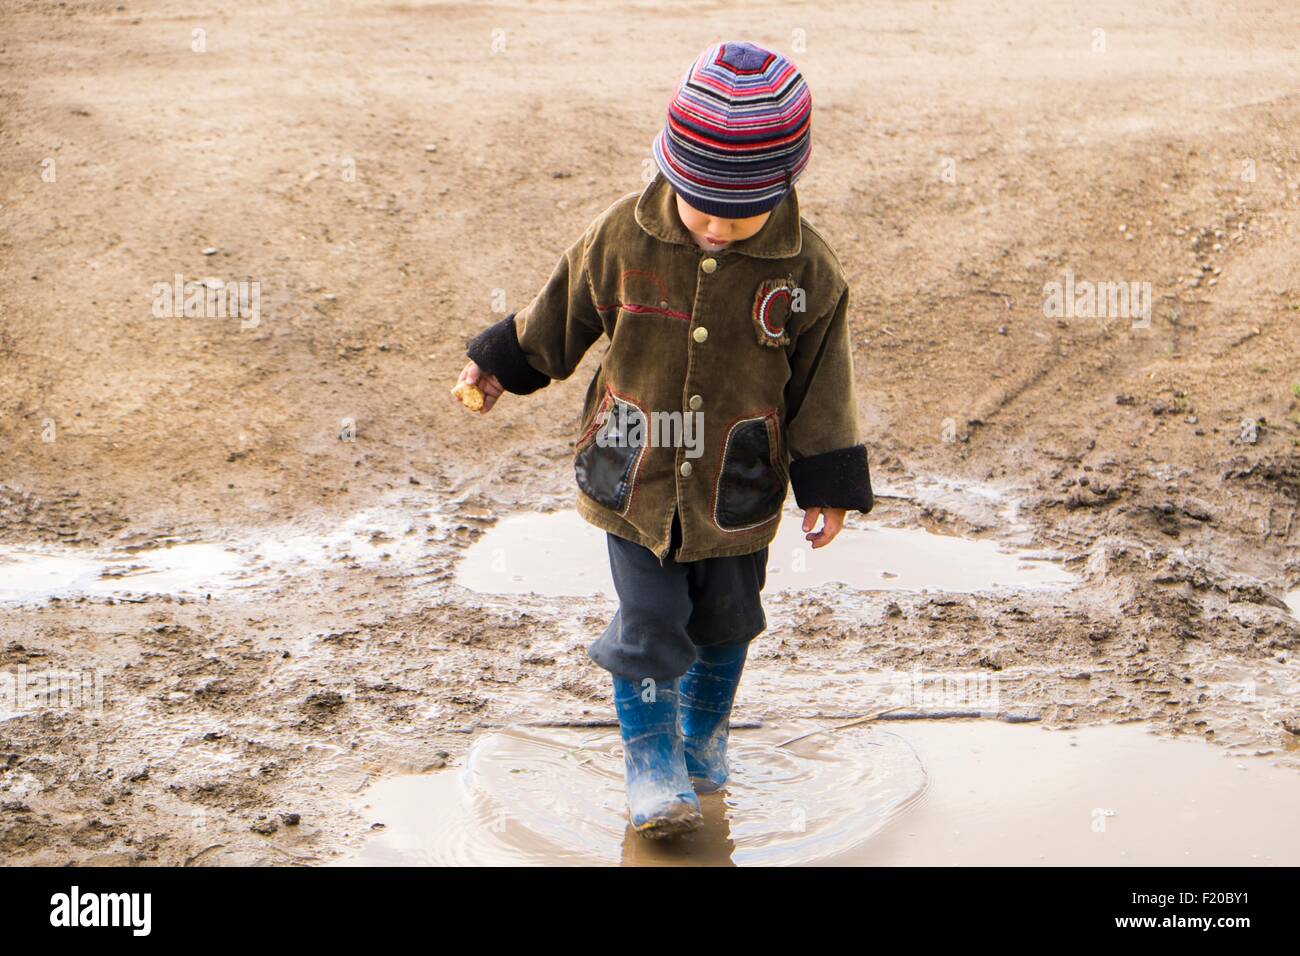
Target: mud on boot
(707,691)
(660,799)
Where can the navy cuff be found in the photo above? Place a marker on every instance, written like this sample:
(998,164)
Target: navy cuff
(833,479)
(496,351)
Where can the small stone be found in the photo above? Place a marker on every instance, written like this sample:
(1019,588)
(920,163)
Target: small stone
(211,251)
(430,147)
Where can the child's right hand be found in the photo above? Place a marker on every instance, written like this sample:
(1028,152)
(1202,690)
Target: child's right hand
(487,384)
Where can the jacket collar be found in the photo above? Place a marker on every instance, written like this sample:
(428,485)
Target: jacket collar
(780,237)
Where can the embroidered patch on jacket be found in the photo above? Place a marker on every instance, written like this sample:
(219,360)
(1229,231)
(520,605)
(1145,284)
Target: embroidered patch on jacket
(772,306)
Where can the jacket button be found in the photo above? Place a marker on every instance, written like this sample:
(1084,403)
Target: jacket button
(686,469)
(700,334)
(696,403)
(709,265)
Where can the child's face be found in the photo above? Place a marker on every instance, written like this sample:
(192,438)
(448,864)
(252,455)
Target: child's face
(712,233)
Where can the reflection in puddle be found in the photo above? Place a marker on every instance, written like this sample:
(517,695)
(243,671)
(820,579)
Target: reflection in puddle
(980,793)
(560,554)
(559,799)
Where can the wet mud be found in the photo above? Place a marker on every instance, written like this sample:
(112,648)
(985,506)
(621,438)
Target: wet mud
(261,587)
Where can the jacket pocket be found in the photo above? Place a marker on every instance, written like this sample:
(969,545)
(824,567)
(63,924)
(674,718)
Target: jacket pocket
(751,482)
(609,452)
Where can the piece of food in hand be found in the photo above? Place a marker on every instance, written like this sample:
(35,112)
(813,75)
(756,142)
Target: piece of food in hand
(469,396)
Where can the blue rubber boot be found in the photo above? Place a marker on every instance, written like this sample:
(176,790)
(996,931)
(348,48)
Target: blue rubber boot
(660,800)
(707,691)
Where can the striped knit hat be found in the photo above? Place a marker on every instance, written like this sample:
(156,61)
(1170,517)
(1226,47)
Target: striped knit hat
(738,133)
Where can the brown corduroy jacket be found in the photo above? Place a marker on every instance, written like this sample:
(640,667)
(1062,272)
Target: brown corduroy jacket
(727,377)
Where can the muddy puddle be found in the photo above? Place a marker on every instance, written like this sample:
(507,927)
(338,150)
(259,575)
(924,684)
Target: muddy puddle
(560,554)
(916,793)
(558,798)
(555,554)
(250,560)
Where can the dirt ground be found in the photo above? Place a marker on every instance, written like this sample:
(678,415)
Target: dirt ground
(393,174)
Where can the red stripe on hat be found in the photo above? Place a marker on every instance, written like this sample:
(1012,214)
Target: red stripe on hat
(745,92)
(687,133)
(776,128)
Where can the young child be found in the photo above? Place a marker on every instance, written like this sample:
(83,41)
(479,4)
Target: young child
(728,376)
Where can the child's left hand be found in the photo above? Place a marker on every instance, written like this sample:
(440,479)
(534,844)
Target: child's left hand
(833,521)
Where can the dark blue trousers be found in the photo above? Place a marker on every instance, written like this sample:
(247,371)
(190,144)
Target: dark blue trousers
(666,610)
